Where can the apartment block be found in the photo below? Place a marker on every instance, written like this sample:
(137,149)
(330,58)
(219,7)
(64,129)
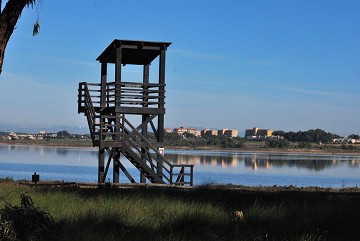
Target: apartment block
(222,132)
(181,130)
(206,132)
(209,132)
(256,132)
(231,133)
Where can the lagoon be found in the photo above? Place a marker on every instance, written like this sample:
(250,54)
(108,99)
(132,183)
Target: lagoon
(220,167)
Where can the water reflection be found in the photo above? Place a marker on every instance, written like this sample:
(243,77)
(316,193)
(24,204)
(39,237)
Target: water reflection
(48,155)
(257,161)
(80,164)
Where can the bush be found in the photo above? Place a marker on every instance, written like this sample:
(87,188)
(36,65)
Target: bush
(25,222)
(303,144)
(277,143)
(347,147)
(6,179)
(7,232)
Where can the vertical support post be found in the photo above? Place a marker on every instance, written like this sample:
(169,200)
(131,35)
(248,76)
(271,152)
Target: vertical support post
(118,119)
(160,131)
(118,89)
(145,82)
(102,120)
(118,76)
(103,84)
(191,175)
(80,96)
(182,172)
(171,174)
(101,165)
(162,78)
(144,130)
(116,166)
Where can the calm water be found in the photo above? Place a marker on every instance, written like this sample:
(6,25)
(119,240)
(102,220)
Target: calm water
(253,169)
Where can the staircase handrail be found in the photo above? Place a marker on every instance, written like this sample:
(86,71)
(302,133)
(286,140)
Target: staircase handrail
(168,167)
(147,144)
(86,102)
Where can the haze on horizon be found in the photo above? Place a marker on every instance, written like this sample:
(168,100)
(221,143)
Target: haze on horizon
(283,65)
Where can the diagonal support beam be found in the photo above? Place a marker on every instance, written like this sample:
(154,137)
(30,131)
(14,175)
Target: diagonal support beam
(154,130)
(127,174)
(111,153)
(145,122)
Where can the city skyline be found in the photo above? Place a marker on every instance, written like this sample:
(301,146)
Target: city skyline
(198,130)
(232,64)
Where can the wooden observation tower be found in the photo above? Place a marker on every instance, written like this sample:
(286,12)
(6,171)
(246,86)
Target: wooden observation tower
(110,105)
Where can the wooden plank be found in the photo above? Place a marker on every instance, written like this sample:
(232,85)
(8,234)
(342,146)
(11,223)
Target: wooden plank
(139,110)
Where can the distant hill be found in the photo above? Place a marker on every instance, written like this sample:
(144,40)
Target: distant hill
(34,130)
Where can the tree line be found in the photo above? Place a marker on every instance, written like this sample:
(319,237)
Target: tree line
(303,139)
(189,140)
(316,136)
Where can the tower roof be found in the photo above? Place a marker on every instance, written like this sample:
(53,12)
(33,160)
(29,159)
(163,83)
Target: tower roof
(133,51)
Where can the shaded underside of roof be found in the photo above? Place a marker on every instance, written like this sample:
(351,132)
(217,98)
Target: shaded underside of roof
(133,51)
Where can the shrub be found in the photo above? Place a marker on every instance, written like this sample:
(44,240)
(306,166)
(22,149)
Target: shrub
(7,232)
(6,179)
(303,144)
(25,222)
(277,143)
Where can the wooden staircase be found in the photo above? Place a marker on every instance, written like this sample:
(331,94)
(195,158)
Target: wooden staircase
(114,131)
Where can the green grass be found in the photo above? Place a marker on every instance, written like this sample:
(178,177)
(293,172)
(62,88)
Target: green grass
(202,213)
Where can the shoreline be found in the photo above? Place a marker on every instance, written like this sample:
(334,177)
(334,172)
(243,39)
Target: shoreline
(186,148)
(229,187)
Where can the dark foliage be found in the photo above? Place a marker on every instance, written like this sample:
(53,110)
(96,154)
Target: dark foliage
(303,144)
(63,134)
(277,143)
(353,136)
(316,136)
(25,222)
(347,147)
(9,16)
(189,140)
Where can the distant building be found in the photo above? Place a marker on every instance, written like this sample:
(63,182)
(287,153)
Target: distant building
(257,133)
(264,132)
(182,130)
(231,133)
(168,130)
(251,132)
(354,141)
(205,132)
(222,132)
(345,141)
(209,132)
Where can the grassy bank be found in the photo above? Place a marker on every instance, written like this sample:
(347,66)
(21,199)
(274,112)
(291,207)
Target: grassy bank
(202,213)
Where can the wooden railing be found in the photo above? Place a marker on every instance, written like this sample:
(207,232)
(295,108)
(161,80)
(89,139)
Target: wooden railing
(131,93)
(170,173)
(125,94)
(88,90)
(85,104)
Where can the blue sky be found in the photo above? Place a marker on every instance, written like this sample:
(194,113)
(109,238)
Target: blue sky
(284,65)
